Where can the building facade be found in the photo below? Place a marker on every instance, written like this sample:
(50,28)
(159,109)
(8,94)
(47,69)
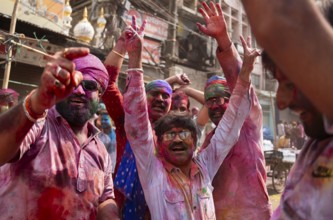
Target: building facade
(173,43)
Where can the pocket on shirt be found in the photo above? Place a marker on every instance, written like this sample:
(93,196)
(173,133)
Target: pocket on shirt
(175,202)
(206,200)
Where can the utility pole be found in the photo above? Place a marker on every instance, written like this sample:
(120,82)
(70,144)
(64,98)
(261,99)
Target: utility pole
(10,52)
(273,119)
(171,40)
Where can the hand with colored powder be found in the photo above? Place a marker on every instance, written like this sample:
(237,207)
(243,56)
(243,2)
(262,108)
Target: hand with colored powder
(58,79)
(250,55)
(134,43)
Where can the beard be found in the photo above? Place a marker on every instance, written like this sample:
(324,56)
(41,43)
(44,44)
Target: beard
(77,115)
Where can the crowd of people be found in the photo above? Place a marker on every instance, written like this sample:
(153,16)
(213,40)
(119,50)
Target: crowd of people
(290,134)
(78,148)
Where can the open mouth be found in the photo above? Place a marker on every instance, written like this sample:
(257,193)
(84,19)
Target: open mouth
(158,108)
(178,148)
(217,115)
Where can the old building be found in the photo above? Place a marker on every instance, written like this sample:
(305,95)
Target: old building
(173,43)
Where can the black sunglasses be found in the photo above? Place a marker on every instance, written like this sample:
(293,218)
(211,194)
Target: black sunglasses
(89,85)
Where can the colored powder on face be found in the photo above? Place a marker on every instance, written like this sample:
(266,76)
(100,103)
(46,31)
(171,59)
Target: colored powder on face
(91,65)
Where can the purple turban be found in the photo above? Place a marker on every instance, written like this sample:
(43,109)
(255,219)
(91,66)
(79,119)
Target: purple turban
(216,86)
(8,92)
(93,66)
(159,83)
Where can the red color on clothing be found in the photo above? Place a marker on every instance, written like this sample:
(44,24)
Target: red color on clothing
(55,175)
(113,101)
(240,183)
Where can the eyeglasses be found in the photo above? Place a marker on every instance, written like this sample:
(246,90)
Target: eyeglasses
(218,101)
(169,136)
(89,85)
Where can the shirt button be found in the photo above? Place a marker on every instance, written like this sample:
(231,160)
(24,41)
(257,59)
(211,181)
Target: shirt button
(194,207)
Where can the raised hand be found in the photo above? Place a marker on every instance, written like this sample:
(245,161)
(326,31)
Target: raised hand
(215,23)
(180,79)
(250,55)
(58,80)
(134,43)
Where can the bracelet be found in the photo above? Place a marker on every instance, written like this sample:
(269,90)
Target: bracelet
(119,54)
(135,69)
(33,117)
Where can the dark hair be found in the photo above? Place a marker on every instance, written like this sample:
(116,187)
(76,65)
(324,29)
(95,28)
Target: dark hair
(173,120)
(268,65)
(179,95)
(326,8)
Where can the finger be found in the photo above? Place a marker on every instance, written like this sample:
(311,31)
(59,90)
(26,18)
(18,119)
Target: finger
(243,42)
(142,28)
(48,80)
(76,78)
(63,58)
(58,80)
(248,40)
(213,9)
(58,88)
(202,28)
(204,14)
(257,52)
(62,75)
(73,53)
(185,78)
(64,64)
(129,33)
(207,9)
(219,9)
(134,22)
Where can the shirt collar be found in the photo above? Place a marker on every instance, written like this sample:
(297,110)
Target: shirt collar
(171,168)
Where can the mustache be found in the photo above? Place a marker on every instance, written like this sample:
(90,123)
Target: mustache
(79,97)
(174,144)
(159,103)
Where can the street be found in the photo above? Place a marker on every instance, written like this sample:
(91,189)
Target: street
(273,195)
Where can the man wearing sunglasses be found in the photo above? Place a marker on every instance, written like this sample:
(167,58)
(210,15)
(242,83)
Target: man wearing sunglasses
(177,184)
(53,165)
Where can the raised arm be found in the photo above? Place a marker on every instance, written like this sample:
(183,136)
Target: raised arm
(300,41)
(113,98)
(137,124)
(56,84)
(226,52)
(254,120)
(228,129)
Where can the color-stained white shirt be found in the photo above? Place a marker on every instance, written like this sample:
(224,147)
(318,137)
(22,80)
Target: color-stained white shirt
(308,193)
(165,200)
(56,177)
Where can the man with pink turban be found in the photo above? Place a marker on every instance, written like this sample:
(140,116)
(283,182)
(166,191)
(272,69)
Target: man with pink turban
(53,165)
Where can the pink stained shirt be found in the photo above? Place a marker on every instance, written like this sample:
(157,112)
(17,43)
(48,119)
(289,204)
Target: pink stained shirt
(55,177)
(165,201)
(309,188)
(240,183)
